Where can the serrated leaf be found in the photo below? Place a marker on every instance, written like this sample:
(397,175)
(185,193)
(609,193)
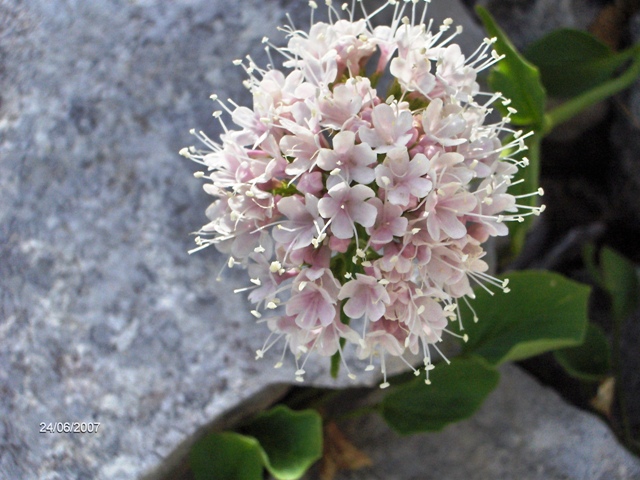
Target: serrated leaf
(456,392)
(516,78)
(590,361)
(227,456)
(291,440)
(573,61)
(543,311)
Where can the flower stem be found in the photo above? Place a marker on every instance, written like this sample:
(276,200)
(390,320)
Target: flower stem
(574,106)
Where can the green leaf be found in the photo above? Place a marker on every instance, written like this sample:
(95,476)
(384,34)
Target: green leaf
(291,440)
(227,456)
(620,279)
(456,392)
(590,361)
(543,311)
(576,105)
(589,258)
(516,78)
(573,61)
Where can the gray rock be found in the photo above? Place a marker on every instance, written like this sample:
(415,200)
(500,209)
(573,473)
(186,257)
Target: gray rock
(104,318)
(103,315)
(523,431)
(527,20)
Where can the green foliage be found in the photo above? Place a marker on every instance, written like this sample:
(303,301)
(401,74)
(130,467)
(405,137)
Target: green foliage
(456,392)
(620,279)
(226,456)
(291,440)
(543,311)
(573,61)
(519,81)
(516,78)
(590,361)
(284,441)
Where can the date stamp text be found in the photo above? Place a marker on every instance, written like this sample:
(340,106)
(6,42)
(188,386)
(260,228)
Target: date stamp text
(69,427)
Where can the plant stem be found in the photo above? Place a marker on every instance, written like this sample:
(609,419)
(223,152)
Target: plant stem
(573,107)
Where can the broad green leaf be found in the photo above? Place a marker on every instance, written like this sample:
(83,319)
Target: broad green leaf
(456,392)
(575,105)
(227,456)
(543,311)
(291,440)
(621,282)
(516,78)
(573,61)
(590,361)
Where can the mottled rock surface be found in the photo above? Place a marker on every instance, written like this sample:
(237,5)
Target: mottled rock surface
(523,431)
(103,316)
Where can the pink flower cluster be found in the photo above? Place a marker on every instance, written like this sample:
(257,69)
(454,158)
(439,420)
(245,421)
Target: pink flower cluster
(359,210)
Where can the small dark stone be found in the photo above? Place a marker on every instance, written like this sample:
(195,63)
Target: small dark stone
(84,116)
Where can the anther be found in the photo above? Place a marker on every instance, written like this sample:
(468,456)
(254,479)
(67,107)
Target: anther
(275,266)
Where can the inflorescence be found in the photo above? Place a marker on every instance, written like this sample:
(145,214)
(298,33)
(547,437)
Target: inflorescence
(359,211)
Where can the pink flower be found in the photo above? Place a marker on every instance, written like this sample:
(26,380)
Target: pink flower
(401,177)
(389,223)
(384,333)
(304,222)
(351,161)
(345,206)
(313,299)
(341,202)
(428,322)
(391,128)
(366,298)
(414,72)
(328,342)
(444,209)
(443,124)
(454,76)
(339,106)
(302,146)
